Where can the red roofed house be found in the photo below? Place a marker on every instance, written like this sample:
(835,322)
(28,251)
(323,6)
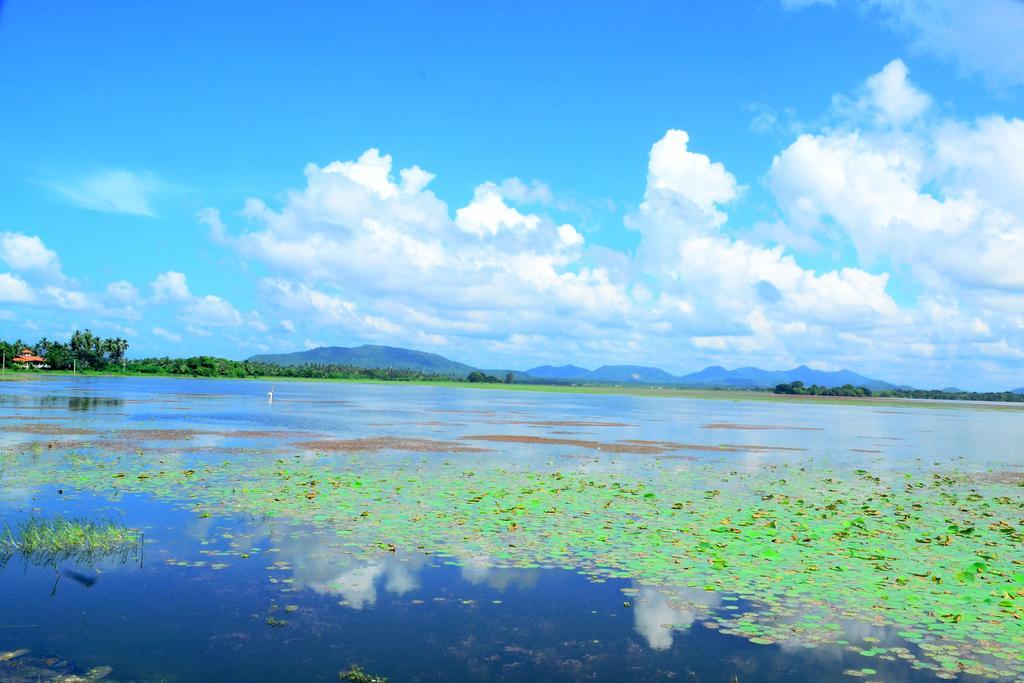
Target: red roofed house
(26,356)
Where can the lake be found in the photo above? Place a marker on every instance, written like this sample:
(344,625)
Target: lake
(444,533)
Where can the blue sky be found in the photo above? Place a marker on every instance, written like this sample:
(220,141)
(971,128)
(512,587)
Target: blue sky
(680,184)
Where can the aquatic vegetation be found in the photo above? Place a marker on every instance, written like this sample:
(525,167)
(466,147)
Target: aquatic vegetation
(934,555)
(48,542)
(355,674)
(17,666)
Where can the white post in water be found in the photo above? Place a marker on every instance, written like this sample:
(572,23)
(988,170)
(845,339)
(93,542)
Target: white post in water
(74,367)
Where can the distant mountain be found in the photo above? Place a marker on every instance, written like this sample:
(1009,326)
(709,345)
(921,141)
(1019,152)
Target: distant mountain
(606,373)
(632,373)
(370,356)
(717,376)
(1019,391)
(560,372)
(714,376)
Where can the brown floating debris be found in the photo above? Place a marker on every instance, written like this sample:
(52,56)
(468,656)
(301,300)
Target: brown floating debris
(998,477)
(387,443)
(50,429)
(636,446)
(731,425)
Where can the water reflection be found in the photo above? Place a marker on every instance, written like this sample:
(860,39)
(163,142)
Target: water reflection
(478,570)
(357,585)
(75,403)
(656,619)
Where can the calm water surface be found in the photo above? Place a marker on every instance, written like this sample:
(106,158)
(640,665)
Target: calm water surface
(241,579)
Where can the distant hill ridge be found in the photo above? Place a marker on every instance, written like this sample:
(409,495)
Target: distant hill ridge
(375,356)
(370,356)
(717,376)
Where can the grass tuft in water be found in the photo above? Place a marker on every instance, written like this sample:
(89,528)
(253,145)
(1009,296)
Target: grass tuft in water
(357,675)
(47,542)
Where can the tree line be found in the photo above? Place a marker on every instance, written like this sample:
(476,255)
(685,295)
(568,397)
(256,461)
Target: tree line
(944,395)
(210,366)
(86,352)
(83,350)
(798,388)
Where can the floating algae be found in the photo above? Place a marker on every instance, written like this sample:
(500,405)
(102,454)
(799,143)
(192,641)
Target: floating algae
(937,556)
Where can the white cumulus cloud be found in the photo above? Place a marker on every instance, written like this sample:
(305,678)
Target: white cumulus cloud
(172,286)
(23,252)
(15,290)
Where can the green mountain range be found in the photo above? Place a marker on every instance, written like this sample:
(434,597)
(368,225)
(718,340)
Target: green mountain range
(373,356)
(370,356)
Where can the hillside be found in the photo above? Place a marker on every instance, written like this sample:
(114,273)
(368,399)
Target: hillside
(632,373)
(370,356)
(717,376)
(382,357)
(560,372)
(713,376)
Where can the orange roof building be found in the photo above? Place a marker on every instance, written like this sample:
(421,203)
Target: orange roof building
(26,356)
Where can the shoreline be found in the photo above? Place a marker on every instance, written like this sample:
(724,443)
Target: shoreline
(599,390)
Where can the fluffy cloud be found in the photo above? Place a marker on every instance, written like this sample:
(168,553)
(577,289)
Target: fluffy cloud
(200,313)
(328,309)
(376,254)
(123,292)
(933,198)
(211,311)
(488,214)
(981,36)
(894,99)
(891,196)
(361,249)
(170,286)
(688,175)
(14,290)
(40,281)
(744,295)
(928,198)
(23,252)
(67,299)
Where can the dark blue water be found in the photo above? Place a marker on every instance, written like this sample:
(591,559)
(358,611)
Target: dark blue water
(171,615)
